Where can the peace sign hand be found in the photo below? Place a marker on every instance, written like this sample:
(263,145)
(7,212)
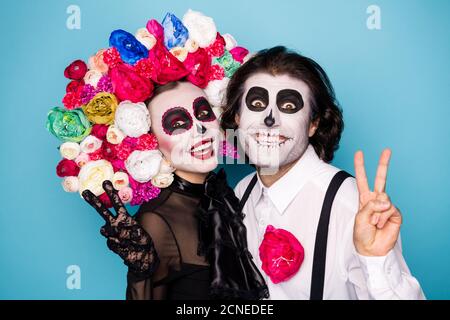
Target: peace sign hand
(124,234)
(378,221)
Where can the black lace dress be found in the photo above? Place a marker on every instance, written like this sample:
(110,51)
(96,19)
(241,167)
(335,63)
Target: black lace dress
(200,240)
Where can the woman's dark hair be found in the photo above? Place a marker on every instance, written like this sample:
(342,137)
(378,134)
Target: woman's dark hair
(325,108)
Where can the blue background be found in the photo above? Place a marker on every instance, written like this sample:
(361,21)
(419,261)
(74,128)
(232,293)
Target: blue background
(393,85)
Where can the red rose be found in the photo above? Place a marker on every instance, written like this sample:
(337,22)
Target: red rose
(198,64)
(217,48)
(281,254)
(112,57)
(74,85)
(67,168)
(216,72)
(76,70)
(105,200)
(72,99)
(165,67)
(99,131)
(109,151)
(128,85)
(147,142)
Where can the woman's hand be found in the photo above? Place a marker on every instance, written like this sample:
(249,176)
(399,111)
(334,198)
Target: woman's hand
(125,236)
(377,224)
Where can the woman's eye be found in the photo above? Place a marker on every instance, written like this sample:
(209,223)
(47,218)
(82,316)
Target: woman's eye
(203,113)
(258,104)
(178,124)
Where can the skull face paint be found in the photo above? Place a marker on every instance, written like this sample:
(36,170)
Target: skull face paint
(274,119)
(186,128)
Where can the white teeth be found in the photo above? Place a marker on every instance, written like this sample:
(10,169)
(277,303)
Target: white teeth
(202,147)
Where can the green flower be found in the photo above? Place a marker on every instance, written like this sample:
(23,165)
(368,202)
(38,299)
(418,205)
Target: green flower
(227,62)
(68,125)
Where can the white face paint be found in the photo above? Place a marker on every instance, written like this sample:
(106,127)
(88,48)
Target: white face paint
(274,119)
(186,128)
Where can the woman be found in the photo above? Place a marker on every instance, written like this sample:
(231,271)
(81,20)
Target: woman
(189,242)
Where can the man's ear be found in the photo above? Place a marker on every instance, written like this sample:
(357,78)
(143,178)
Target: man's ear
(313,127)
(237,119)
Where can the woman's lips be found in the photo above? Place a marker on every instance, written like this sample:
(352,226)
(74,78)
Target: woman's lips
(203,150)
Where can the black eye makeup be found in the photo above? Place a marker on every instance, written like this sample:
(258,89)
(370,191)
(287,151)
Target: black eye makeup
(176,120)
(289,101)
(203,110)
(257,99)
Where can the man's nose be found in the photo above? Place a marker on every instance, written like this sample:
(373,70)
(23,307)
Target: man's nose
(271,118)
(200,128)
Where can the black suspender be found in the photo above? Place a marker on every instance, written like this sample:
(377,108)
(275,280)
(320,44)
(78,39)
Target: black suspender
(320,247)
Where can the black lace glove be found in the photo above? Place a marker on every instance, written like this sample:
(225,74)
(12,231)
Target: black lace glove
(125,235)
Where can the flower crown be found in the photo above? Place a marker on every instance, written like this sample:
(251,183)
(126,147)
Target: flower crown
(105,124)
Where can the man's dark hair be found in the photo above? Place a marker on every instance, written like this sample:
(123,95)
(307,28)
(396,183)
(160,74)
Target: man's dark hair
(281,61)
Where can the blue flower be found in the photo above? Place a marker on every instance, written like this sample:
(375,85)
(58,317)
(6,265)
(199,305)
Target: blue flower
(130,49)
(175,33)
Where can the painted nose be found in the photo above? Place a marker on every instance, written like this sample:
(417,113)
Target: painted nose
(200,128)
(269,120)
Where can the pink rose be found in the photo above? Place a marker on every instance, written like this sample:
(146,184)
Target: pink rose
(239,53)
(281,254)
(126,194)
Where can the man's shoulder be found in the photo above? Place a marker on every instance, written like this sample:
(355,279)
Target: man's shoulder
(347,196)
(242,185)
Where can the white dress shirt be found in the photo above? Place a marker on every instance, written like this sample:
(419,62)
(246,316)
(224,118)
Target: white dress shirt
(294,203)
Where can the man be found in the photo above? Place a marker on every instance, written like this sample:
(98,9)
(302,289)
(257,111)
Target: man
(314,231)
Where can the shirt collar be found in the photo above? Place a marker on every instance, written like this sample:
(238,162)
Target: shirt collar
(283,191)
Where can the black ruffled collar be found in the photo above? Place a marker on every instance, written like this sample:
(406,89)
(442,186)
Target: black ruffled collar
(185,187)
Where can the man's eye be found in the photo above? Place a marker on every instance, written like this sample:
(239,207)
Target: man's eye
(258,104)
(288,106)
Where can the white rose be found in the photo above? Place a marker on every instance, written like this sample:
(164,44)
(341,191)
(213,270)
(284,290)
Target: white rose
(92,77)
(230,42)
(143,165)
(247,57)
(165,167)
(114,135)
(215,91)
(202,29)
(120,180)
(132,119)
(190,45)
(179,53)
(69,150)
(162,180)
(93,174)
(70,184)
(90,144)
(146,38)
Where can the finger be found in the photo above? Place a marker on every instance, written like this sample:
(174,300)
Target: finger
(109,231)
(114,197)
(95,202)
(392,213)
(383,197)
(360,172)
(372,207)
(381,176)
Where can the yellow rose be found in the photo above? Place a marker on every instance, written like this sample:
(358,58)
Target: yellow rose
(101,108)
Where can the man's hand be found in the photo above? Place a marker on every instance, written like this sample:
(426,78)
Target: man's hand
(378,221)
